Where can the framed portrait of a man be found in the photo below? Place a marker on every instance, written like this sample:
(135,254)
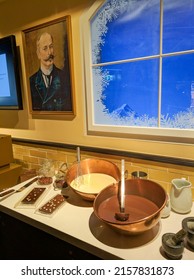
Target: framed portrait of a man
(49,67)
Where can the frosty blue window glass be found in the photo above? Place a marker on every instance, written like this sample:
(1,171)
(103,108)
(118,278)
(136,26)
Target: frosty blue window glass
(130,93)
(129,29)
(143,63)
(178,25)
(177,82)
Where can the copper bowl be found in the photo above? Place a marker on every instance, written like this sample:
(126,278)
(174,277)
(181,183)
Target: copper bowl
(144,200)
(89,166)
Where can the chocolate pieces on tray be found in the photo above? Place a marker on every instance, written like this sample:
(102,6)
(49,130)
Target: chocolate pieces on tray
(45,180)
(52,205)
(33,196)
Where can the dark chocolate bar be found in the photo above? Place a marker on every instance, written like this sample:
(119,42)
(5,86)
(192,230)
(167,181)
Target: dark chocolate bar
(52,204)
(33,196)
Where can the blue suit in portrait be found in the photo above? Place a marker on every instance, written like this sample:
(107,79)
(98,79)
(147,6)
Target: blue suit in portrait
(55,97)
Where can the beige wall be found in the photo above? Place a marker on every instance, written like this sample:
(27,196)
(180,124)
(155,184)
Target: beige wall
(16,15)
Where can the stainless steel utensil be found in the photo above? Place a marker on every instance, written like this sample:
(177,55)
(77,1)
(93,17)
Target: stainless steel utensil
(12,191)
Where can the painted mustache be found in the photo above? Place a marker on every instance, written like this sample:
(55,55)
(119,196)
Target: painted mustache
(51,57)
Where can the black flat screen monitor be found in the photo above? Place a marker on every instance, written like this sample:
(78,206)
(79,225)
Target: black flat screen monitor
(10,89)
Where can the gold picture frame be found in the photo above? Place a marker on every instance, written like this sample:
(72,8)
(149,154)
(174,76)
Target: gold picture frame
(48,50)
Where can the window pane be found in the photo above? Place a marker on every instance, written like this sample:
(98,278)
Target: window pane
(178,91)
(178,29)
(125,29)
(127,93)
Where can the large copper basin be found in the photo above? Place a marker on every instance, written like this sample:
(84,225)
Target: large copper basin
(144,200)
(89,166)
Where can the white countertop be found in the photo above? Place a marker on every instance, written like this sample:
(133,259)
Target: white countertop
(77,224)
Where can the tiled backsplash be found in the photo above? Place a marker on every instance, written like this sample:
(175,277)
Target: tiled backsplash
(33,156)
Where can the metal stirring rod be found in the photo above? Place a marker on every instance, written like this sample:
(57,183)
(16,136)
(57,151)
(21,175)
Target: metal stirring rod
(79,178)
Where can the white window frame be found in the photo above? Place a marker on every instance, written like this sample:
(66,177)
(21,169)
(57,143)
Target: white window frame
(148,133)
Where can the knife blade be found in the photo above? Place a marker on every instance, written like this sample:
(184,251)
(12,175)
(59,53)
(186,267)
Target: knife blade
(12,191)
(4,193)
(27,185)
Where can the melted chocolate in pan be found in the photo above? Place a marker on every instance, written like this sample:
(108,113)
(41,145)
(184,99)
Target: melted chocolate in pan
(137,207)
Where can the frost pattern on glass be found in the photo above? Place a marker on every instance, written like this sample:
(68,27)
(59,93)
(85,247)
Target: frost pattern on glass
(182,120)
(109,11)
